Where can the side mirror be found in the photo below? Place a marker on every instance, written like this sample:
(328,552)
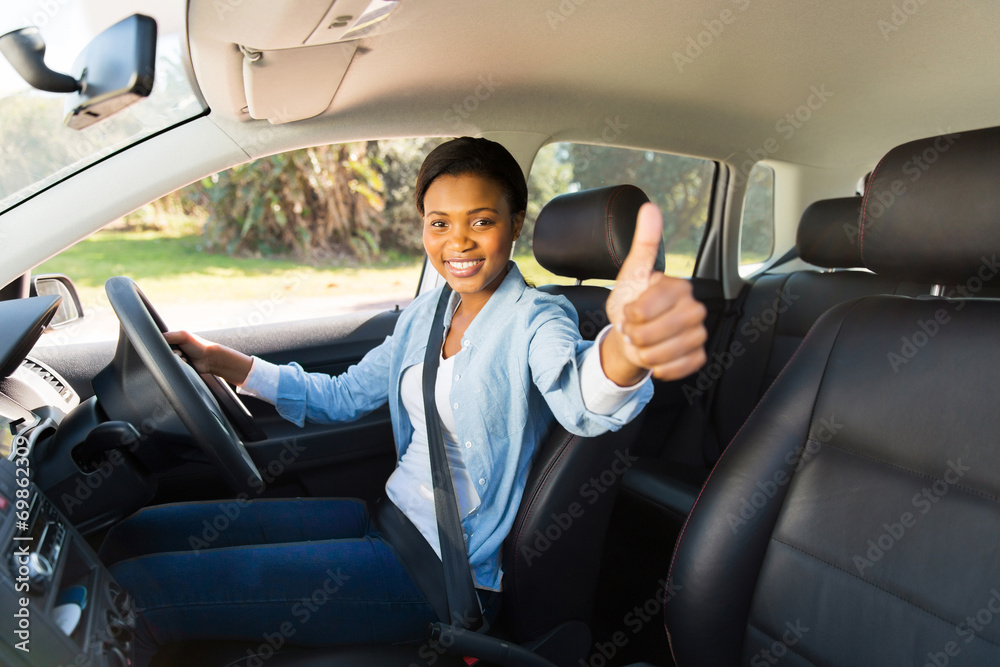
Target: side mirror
(114,71)
(70,310)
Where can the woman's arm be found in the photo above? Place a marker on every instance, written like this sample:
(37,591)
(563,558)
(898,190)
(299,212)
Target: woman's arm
(301,396)
(208,357)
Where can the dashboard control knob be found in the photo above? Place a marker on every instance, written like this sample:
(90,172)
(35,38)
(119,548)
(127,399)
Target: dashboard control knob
(39,571)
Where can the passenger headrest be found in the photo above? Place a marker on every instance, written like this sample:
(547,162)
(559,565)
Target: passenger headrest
(587,234)
(931,210)
(828,233)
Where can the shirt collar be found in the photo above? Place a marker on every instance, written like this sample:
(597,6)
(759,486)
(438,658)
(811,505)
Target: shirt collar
(507,293)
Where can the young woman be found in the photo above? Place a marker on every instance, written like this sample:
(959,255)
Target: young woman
(315,570)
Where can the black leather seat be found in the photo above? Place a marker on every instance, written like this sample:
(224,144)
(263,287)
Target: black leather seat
(777,314)
(552,556)
(586,235)
(855,518)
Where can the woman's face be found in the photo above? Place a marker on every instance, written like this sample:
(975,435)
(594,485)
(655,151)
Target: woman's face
(469,231)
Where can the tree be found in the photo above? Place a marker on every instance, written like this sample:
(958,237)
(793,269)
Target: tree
(314,202)
(685,186)
(400,160)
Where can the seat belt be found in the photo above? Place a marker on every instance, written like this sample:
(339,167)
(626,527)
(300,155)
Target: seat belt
(696,423)
(463,602)
(711,447)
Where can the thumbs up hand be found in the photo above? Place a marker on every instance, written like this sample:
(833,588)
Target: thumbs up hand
(659,325)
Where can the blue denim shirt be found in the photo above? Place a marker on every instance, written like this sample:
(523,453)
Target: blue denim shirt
(518,368)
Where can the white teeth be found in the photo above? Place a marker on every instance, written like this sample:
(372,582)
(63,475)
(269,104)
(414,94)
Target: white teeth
(461,266)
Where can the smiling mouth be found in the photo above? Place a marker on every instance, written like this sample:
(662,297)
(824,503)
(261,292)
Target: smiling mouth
(463,267)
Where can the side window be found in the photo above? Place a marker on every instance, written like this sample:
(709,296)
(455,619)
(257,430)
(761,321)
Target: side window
(310,233)
(757,223)
(680,186)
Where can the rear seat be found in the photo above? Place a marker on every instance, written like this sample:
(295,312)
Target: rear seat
(777,314)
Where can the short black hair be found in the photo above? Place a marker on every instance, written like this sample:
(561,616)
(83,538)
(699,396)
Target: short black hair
(481,157)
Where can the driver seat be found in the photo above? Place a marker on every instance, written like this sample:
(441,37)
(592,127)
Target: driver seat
(855,518)
(552,555)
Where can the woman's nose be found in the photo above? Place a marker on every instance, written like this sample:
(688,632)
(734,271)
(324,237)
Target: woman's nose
(459,238)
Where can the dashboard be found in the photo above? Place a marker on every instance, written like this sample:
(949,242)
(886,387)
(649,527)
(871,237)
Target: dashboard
(30,392)
(59,603)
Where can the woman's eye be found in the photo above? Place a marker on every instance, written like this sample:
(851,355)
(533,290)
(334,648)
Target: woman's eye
(437,223)
(483,222)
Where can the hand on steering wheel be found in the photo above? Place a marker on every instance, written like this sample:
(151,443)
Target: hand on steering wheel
(195,400)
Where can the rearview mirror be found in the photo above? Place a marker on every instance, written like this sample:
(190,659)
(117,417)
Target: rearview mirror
(114,71)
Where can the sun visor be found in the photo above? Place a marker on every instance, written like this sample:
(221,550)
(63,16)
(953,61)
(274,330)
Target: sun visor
(284,44)
(282,86)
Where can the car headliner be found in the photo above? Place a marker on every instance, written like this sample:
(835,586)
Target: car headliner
(831,85)
(561,68)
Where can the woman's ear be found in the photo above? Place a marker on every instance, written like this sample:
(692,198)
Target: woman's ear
(518,221)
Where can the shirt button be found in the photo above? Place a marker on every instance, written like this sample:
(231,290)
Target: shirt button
(465,343)
(455,406)
(468,445)
(457,377)
(482,481)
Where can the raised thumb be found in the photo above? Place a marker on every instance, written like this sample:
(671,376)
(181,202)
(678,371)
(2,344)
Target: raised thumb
(633,277)
(645,248)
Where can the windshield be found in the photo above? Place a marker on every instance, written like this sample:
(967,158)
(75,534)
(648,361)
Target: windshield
(37,148)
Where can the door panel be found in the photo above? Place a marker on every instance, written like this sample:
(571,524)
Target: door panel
(352,459)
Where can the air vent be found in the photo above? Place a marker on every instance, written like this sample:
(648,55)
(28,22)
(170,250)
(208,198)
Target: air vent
(51,379)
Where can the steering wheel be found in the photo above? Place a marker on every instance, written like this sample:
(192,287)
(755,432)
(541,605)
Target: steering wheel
(188,394)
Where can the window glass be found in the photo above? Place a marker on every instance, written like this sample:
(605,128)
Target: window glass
(680,186)
(37,148)
(757,224)
(311,233)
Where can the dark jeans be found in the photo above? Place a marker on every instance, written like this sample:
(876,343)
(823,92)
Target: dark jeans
(307,571)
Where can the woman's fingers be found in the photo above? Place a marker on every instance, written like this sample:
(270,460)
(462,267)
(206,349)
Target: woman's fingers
(193,349)
(665,329)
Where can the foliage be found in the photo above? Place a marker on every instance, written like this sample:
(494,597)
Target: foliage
(313,203)
(400,160)
(680,186)
(171,268)
(357,199)
(551,175)
(757,227)
(28,152)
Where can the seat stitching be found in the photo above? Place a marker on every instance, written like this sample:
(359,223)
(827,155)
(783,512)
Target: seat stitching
(687,521)
(608,227)
(864,209)
(735,437)
(967,489)
(564,449)
(874,585)
(778,639)
(774,332)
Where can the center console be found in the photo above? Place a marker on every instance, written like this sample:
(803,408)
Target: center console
(58,603)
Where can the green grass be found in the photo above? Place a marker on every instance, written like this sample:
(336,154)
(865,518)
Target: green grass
(172,268)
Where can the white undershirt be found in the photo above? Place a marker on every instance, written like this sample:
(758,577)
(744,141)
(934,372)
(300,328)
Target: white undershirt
(410,487)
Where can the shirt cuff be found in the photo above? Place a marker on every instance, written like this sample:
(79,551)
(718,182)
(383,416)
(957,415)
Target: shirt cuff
(600,394)
(262,381)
